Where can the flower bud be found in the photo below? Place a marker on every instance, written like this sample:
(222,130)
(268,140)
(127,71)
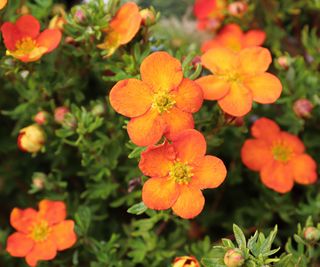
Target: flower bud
(302,108)
(79,16)
(60,113)
(233,258)
(41,117)
(185,261)
(38,180)
(148,16)
(57,23)
(237,9)
(31,139)
(283,62)
(311,234)
(98,110)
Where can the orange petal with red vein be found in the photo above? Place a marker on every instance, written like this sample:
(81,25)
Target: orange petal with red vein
(189,96)
(189,145)
(304,169)
(255,153)
(63,235)
(176,121)
(266,129)
(292,141)
(52,211)
(189,203)
(161,71)
(254,60)
(22,220)
(131,97)
(219,60)
(209,172)
(238,101)
(160,193)
(265,87)
(19,245)
(213,87)
(126,22)
(28,26)
(277,176)
(253,38)
(10,34)
(146,129)
(45,250)
(157,160)
(49,39)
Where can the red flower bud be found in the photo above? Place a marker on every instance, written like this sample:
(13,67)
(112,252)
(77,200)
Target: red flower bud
(148,16)
(237,9)
(302,108)
(311,234)
(185,261)
(60,113)
(41,117)
(283,62)
(233,258)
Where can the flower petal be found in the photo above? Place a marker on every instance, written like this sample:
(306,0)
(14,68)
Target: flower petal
(189,96)
(189,145)
(293,142)
(209,172)
(157,160)
(238,101)
(3,3)
(45,250)
(146,129)
(22,220)
(253,38)
(219,60)
(160,193)
(49,39)
(277,176)
(126,22)
(304,169)
(161,71)
(255,154)
(266,129)
(189,203)
(19,245)
(254,60)
(10,34)
(265,87)
(63,234)
(177,121)
(28,26)
(52,211)
(213,87)
(131,97)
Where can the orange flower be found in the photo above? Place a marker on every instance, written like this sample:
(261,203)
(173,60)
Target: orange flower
(160,104)
(185,261)
(3,3)
(209,13)
(31,139)
(40,234)
(179,171)
(24,41)
(279,157)
(122,28)
(239,78)
(231,36)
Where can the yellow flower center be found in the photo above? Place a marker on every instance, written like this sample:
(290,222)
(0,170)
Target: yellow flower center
(40,231)
(281,152)
(231,76)
(163,101)
(181,173)
(25,45)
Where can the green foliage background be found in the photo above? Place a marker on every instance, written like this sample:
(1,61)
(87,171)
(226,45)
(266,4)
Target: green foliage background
(86,163)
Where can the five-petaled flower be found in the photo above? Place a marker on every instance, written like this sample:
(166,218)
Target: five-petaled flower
(161,104)
(231,36)
(122,28)
(279,157)
(40,234)
(24,41)
(179,170)
(185,261)
(209,13)
(239,78)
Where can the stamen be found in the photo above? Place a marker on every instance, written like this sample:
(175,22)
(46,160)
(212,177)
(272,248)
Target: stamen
(40,231)
(181,172)
(163,101)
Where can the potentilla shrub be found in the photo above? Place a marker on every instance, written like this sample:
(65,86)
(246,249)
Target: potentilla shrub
(159,133)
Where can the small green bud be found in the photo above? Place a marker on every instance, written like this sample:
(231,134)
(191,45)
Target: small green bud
(233,258)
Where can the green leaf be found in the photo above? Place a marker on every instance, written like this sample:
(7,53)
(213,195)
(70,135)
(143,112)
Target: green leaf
(137,208)
(240,238)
